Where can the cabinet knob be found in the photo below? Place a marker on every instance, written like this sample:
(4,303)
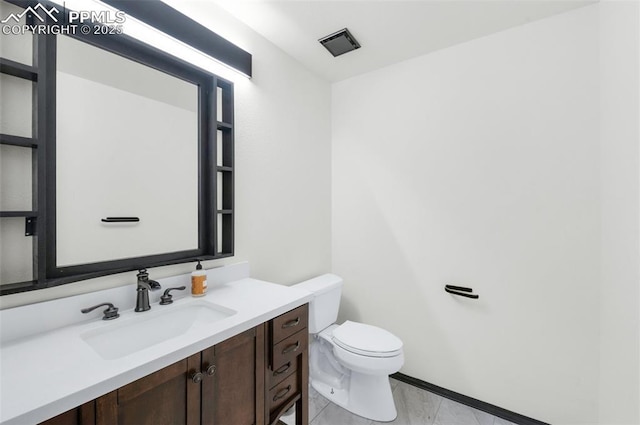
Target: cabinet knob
(197,377)
(211,370)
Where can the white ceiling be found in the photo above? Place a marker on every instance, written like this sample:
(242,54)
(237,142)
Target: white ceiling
(389,31)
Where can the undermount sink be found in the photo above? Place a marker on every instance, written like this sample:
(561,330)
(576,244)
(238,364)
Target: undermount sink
(121,338)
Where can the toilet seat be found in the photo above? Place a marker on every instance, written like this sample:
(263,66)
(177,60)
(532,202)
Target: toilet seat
(366,340)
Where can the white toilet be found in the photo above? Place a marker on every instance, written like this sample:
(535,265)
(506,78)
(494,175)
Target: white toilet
(350,364)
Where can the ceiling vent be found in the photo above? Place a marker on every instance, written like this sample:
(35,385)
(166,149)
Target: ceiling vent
(340,42)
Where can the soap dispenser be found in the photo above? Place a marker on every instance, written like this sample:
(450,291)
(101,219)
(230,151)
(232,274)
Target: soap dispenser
(198,281)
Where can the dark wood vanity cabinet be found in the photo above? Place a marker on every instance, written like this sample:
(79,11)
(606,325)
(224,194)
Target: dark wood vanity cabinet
(218,386)
(287,372)
(168,396)
(81,415)
(248,379)
(234,395)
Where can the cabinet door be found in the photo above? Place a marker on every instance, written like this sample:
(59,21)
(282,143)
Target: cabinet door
(166,397)
(81,415)
(234,392)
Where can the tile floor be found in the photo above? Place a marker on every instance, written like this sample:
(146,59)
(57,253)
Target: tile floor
(415,407)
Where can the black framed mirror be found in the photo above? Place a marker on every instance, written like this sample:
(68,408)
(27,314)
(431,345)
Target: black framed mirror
(132,158)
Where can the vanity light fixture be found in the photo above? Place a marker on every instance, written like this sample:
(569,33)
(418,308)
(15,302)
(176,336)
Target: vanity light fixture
(182,28)
(159,25)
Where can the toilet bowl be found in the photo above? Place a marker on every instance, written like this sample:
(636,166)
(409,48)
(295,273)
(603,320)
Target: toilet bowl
(350,364)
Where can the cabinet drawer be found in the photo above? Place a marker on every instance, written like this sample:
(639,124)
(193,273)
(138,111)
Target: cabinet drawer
(282,392)
(289,323)
(288,349)
(281,372)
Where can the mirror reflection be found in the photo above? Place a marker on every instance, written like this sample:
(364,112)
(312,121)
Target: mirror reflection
(127,146)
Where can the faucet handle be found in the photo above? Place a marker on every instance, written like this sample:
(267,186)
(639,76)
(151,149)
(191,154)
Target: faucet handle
(109,314)
(143,275)
(166,298)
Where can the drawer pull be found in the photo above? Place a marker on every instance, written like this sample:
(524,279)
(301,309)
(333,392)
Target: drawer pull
(283,392)
(211,370)
(291,323)
(282,369)
(291,348)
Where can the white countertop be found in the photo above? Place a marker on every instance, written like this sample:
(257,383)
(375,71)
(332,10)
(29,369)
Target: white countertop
(46,374)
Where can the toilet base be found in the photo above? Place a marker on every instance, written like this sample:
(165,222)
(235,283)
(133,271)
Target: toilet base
(368,396)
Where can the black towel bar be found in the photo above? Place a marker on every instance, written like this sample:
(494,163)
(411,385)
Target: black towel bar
(461,291)
(120,219)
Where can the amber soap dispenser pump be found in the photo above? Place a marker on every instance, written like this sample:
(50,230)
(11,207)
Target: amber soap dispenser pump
(198,281)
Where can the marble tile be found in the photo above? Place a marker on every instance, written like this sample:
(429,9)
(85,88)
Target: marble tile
(500,421)
(335,415)
(316,403)
(452,413)
(394,383)
(289,420)
(414,406)
(483,418)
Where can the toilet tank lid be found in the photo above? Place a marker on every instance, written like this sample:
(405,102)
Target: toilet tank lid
(321,284)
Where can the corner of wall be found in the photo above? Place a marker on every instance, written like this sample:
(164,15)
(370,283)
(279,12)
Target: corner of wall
(619,374)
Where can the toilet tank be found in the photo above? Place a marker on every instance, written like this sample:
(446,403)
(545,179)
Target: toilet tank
(323,308)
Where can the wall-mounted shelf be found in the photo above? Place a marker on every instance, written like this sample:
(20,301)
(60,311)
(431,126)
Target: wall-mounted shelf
(40,74)
(17,69)
(224,125)
(25,142)
(18,213)
(30,220)
(12,288)
(225,168)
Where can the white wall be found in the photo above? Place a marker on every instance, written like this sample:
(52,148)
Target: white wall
(619,149)
(283,152)
(282,149)
(480,165)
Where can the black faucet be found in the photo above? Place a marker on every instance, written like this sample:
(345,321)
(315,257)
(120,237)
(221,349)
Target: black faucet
(142,292)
